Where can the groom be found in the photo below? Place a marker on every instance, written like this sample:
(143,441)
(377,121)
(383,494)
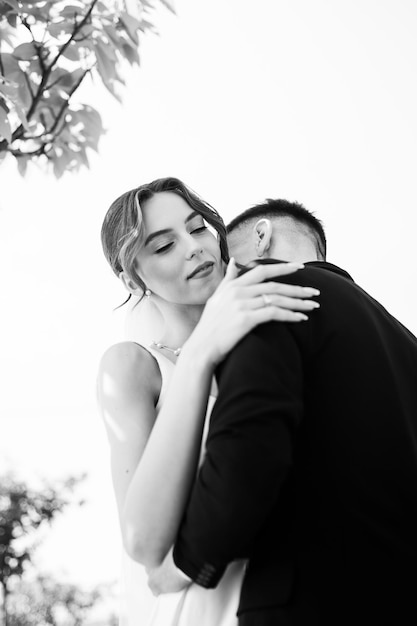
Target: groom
(311,462)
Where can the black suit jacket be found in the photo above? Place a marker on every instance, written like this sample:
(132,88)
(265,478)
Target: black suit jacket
(311,467)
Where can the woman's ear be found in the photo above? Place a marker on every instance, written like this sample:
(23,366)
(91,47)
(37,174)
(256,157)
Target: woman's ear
(262,233)
(130,285)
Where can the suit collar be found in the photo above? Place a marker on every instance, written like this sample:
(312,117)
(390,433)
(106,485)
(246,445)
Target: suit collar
(319,264)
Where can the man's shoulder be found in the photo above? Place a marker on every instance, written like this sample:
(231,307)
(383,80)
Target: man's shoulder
(322,267)
(328,270)
(318,274)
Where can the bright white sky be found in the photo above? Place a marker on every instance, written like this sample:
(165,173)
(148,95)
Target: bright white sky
(309,101)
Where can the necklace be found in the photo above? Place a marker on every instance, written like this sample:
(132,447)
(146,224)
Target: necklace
(161,346)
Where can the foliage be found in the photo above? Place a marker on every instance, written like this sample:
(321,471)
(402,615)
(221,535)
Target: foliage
(30,599)
(22,511)
(44,600)
(47,49)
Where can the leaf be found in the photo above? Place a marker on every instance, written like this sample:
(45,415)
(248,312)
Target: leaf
(59,75)
(9,90)
(65,136)
(46,117)
(55,101)
(90,116)
(77,49)
(57,28)
(107,50)
(92,125)
(12,19)
(14,4)
(132,25)
(34,68)
(60,164)
(145,25)
(86,31)
(110,86)
(131,54)
(168,5)
(101,7)
(72,52)
(5,129)
(38,13)
(112,35)
(71,10)
(25,52)
(76,75)
(5,85)
(106,66)
(10,64)
(4,106)
(18,76)
(64,81)
(83,158)
(91,140)
(23,90)
(22,164)
(107,70)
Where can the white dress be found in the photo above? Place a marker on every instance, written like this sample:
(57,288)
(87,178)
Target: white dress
(194,606)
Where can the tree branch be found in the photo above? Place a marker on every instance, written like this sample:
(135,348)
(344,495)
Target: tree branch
(81,39)
(26,25)
(28,85)
(45,31)
(55,82)
(66,103)
(20,153)
(39,53)
(48,69)
(74,33)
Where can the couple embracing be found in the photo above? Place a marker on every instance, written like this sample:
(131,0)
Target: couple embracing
(264,447)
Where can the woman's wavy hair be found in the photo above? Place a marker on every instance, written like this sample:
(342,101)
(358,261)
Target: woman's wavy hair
(122,233)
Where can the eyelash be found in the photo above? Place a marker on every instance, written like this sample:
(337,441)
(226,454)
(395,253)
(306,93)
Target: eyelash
(200,229)
(164,248)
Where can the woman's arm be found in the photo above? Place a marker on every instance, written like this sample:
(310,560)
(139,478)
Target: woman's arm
(157,493)
(154,462)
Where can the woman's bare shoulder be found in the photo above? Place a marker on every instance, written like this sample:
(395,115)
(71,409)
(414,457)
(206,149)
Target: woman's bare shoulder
(129,383)
(130,368)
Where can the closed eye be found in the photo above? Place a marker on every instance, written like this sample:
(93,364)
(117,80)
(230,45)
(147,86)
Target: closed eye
(164,248)
(200,229)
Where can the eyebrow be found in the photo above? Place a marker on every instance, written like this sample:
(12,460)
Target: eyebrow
(165,231)
(191,216)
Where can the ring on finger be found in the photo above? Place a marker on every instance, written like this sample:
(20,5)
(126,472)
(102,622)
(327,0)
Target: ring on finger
(267,300)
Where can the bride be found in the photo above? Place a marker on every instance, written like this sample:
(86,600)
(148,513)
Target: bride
(169,249)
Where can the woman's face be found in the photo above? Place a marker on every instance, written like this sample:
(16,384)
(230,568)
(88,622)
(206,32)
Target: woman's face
(180,260)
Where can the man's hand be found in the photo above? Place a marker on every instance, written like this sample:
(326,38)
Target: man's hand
(166,578)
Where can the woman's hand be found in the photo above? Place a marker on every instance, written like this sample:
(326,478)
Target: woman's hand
(166,577)
(242,302)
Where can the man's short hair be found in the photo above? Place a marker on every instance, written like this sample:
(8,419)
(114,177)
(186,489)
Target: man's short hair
(283,208)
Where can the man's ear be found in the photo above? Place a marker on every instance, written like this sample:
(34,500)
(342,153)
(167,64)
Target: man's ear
(130,285)
(262,233)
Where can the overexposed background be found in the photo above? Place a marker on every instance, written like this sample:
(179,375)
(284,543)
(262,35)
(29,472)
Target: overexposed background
(308,101)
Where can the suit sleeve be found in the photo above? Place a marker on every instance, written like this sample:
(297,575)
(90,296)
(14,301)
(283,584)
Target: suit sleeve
(249,452)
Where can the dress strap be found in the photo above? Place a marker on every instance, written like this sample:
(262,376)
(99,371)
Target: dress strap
(166,368)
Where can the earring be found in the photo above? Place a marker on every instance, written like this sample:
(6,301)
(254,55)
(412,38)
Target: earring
(148,293)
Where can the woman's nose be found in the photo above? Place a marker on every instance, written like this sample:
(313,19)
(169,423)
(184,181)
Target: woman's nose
(193,248)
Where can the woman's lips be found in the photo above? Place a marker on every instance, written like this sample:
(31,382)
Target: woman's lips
(202,270)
